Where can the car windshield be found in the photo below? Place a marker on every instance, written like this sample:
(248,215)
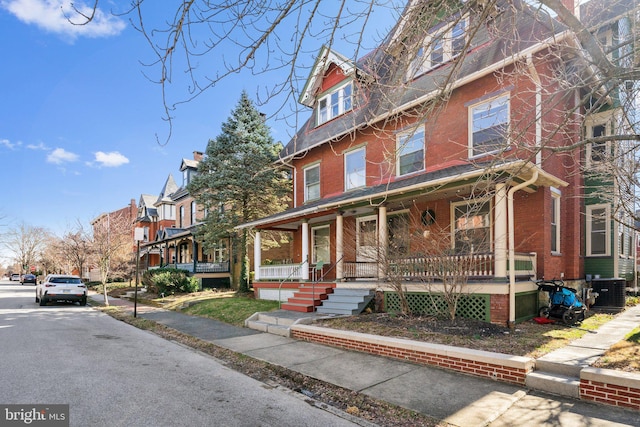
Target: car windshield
(71,280)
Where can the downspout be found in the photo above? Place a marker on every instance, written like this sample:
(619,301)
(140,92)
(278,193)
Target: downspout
(512,252)
(536,80)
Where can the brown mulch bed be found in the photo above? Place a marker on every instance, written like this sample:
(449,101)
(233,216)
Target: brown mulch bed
(526,339)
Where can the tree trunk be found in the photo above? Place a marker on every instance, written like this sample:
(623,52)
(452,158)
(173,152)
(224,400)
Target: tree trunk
(244,268)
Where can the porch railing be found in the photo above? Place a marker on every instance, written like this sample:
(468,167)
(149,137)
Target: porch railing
(417,267)
(281,271)
(201,267)
(360,270)
(420,267)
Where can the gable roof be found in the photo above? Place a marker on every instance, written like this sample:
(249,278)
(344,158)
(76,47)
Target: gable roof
(168,189)
(325,58)
(188,164)
(377,100)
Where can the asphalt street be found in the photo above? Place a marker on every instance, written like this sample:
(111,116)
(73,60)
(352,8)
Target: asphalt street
(112,374)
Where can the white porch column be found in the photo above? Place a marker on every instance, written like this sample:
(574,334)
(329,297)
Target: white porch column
(500,230)
(257,256)
(339,246)
(383,241)
(306,260)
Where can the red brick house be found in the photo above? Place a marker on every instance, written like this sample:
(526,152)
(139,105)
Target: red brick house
(172,219)
(384,168)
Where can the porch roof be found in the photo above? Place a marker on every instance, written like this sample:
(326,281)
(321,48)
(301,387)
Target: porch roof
(509,171)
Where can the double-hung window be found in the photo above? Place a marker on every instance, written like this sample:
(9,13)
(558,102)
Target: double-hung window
(193,212)
(440,47)
(555,221)
(410,151)
(312,183)
(472,226)
(489,126)
(335,103)
(598,151)
(354,169)
(598,230)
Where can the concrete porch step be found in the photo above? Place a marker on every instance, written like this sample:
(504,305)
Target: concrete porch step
(303,308)
(346,301)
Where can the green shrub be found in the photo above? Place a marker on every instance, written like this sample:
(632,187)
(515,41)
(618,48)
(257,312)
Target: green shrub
(169,281)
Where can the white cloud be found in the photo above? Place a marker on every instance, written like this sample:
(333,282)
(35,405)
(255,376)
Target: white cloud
(10,145)
(60,156)
(58,16)
(111,160)
(39,146)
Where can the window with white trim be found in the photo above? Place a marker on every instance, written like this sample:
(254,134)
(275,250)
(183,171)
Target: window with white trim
(335,103)
(598,127)
(555,220)
(489,125)
(354,169)
(471,226)
(312,183)
(181,219)
(440,47)
(320,249)
(193,212)
(221,251)
(410,151)
(598,230)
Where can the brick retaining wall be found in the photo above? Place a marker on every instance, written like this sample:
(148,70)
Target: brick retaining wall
(610,387)
(497,366)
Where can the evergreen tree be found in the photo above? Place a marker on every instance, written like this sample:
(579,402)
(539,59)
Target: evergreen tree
(238,180)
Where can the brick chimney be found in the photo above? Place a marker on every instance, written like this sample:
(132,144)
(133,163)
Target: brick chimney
(197,155)
(573,6)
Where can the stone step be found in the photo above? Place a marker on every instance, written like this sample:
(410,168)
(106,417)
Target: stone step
(338,310)
(346,301)
(302,308)
(273,320)
(271,328)
(303,300)
(552,367)
(554,383)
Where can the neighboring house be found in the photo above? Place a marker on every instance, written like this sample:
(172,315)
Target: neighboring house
(383,170)
(174,241)
(114,221)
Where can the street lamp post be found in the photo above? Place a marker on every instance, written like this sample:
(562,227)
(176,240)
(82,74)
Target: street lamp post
(138,235)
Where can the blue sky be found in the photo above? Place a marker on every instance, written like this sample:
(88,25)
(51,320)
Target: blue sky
(79,119)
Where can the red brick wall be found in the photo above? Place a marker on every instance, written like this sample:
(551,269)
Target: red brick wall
(499,309)
(467,366)
(610,394)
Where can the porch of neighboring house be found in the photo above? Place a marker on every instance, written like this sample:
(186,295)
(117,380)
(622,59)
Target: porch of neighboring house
(184,252)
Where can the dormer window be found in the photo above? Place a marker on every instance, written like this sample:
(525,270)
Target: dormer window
(440,47)
(335,103)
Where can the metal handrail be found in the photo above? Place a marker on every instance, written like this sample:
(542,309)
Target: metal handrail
(306,261)
(313,284)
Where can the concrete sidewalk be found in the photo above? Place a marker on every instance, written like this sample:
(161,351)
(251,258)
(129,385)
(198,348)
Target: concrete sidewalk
(460,400)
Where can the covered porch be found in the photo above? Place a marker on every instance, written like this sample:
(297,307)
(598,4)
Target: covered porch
(458,222)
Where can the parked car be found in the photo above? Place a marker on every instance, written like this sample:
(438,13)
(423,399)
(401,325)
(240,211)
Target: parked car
(28,278)
(61,287)
(15,277)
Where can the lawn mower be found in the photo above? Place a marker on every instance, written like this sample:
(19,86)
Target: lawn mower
(564,302)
